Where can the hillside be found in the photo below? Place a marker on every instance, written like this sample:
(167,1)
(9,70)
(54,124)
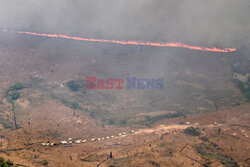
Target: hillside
(193,81)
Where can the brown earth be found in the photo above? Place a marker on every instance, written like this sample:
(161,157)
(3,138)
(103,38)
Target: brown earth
(162,145)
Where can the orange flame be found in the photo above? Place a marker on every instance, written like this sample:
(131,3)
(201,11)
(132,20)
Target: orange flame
(176,45)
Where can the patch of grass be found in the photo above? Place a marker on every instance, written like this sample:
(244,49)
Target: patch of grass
(226,161)
(70,104)
(119,162)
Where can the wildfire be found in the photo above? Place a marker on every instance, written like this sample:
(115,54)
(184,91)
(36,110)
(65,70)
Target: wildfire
(158,44)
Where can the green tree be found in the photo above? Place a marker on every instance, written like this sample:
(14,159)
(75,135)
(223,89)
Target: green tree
(18,86)
(15,96)
(73,86)
(75,106)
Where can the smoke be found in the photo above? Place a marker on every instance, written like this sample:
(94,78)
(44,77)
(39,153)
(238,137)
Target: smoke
(210,22)
(188,75)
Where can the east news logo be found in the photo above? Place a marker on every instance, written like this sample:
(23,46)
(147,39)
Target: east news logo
(131,83)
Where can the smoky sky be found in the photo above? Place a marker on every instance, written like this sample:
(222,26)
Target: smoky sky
(221,22)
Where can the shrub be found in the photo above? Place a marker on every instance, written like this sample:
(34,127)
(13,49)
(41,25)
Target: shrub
(45,163)
(200,150)
(192,131)
(73,86)
(1,159)
(204,138)
(9,162)
(4,164)
(123,122)
(75,105)
(111,122)
(247,93)
(244,88)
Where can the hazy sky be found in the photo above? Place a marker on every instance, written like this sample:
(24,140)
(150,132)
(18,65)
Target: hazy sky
(208,22)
